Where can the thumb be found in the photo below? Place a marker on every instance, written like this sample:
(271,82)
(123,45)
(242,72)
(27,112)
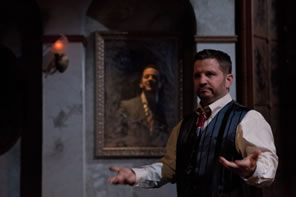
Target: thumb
(254,156)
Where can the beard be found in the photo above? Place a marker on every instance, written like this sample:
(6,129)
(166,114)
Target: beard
(206,95)
(205,92)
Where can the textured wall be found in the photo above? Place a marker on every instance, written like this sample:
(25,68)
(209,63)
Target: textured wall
(214,17)
(64,152)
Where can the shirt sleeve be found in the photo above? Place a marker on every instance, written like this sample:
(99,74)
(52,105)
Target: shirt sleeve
(254,133)
(162,172)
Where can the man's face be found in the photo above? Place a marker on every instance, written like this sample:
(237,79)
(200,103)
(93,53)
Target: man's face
(150,80)
(210,83)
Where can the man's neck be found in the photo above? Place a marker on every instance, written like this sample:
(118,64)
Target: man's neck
(152,98)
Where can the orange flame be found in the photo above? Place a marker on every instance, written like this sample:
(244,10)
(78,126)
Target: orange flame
(60,45)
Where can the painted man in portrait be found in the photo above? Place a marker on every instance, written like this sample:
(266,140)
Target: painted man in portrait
(142,120)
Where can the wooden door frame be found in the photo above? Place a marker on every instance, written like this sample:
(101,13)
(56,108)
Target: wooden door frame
(244,68)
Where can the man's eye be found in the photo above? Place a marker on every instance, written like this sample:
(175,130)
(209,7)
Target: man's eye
(196,76)
(210,74)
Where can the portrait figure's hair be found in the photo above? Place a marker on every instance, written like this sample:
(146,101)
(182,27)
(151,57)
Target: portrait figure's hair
(222,58)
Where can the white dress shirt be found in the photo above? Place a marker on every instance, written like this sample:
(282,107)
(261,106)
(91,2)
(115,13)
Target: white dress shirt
(253,133)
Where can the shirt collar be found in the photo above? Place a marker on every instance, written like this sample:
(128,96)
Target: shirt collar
(143,98)
(217,105)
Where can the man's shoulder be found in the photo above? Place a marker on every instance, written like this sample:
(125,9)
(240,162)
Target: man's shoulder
(130,102)
(239,107)
(187,118)
(131,106)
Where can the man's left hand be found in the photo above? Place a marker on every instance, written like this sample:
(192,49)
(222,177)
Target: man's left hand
(245,167)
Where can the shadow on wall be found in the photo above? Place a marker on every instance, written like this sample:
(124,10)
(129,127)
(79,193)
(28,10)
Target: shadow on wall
(149,15)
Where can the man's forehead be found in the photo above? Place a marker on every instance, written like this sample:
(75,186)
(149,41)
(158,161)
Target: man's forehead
(207,64)
(150,71)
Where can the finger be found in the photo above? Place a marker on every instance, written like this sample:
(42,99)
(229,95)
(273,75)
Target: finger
(114,169)
(119,179)
(113,180)
(227,163)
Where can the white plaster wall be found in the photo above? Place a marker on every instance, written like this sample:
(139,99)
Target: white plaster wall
(63,129)
(63,160)
(214,17)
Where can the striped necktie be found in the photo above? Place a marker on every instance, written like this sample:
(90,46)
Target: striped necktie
(149,117)
(201,120)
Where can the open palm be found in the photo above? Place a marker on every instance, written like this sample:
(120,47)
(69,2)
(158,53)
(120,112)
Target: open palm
(245,167)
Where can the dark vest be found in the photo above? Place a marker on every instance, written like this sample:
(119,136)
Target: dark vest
(198,171)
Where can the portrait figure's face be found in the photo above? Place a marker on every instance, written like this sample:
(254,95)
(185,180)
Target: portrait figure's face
(210,82)
(150,80)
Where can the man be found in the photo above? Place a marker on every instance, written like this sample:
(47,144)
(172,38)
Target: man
(143,123)
(231,149)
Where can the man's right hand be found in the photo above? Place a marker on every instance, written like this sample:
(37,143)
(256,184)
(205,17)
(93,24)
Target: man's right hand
(245,167)
(124,176)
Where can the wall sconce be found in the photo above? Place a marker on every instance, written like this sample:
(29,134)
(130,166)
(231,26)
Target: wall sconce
(55,58)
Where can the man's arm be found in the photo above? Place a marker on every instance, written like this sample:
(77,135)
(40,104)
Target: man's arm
(154,175)
(254,140)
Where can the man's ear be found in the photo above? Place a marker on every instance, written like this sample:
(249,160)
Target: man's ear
(141,85)
(228,80)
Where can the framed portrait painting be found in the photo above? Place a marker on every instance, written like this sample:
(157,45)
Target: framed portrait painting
(129,121)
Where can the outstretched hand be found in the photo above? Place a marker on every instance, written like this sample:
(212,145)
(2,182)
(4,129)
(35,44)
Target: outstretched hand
(245,167)
(124,176)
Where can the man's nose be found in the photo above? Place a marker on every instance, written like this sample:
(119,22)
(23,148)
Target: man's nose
(203,79)
(151,78)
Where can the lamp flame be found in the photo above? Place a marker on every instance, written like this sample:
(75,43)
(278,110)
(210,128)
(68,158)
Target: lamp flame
(60,46)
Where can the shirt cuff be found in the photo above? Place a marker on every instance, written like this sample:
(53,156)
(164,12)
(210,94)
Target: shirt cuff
(257,179)
(149,176)
(140,175)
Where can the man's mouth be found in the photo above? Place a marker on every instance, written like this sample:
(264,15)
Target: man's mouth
(204,90)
